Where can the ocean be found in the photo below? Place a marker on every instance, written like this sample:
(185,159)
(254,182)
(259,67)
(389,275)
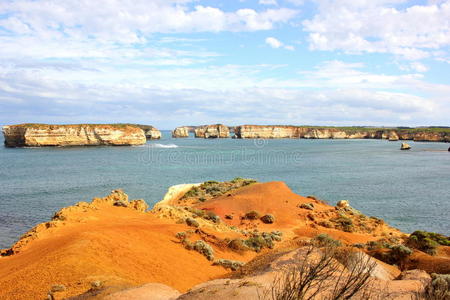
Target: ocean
(408,189)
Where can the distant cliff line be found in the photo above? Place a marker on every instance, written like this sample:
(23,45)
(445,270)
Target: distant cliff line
(46,135)
(423,134)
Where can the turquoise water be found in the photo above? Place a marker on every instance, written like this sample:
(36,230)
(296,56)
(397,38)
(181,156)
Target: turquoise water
(409,189)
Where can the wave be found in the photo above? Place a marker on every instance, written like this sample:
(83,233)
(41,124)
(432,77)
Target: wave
(163,146)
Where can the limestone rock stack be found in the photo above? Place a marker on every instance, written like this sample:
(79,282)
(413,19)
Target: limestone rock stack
(43,135)
(181,132)
(212,131)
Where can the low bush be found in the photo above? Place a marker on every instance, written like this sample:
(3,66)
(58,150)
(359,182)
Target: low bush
(308,206)
(427,241)
(268,219)
(201,247)
(237,245)
(324,240)
(191,222)
(343,223)
(252,215)
(228,264)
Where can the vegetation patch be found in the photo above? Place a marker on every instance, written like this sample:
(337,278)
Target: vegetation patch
(268,219)
(192,222)
(252,215)
(229,264)
(257,241)
(210,189)
(324,240)
(343,223)
(308,206)
(427,241)
(201,247)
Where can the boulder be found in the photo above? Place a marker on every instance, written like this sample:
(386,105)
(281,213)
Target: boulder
(343,204)
(405,146)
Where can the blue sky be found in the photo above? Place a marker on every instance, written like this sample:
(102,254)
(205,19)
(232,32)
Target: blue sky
(186,62)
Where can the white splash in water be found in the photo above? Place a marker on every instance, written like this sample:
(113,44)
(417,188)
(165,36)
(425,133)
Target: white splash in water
(163,146)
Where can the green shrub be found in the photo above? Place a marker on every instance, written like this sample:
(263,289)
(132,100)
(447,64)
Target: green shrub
(237,245)
(427,241)
(252,215)
(191,222)
(398,254)
(210,215)
(438,288)
(268,219)
(324,240)
(257,242)
(181,235)
(343,223)
(203,248)
(308,206)
(193,192)
(228,264)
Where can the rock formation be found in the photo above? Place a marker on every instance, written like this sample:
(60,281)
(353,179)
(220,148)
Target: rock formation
(181,132)
(282,131)
(43,135)
(212,131)
(152,134)
(405,146)
(268,132)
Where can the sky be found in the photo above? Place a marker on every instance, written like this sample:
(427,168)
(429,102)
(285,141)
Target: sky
(169,63)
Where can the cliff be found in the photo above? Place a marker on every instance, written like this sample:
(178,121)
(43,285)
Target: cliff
(180,132)
(43,135)
(212,131)
(101,249)
(392,134)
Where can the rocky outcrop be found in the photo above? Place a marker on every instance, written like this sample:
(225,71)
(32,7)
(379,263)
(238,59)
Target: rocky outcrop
(282,131)
(153,134)
(181,132)
(405,146)
(43,135)
(212,131)
(268,132)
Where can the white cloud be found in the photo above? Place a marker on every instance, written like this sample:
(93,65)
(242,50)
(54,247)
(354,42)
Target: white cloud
(129,22)
(419,67)
(296,2)
(376,26)
(275,43)
(268,2)
(334,93)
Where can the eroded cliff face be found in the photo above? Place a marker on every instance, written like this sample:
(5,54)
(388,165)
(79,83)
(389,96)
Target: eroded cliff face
(212,131)
(151,133)
(42,135)
(281,131)
(181,132)
(268,132)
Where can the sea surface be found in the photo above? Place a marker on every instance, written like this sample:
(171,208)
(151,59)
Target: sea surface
(408,189)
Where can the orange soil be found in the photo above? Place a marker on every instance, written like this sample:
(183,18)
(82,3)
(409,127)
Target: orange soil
(117,245)
(277,199)
(124,247)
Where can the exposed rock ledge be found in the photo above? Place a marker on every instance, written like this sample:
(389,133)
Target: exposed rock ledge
(43,135)
(212,131)
(282,131)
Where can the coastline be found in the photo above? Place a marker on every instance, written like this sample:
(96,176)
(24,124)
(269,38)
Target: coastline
(213,213)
